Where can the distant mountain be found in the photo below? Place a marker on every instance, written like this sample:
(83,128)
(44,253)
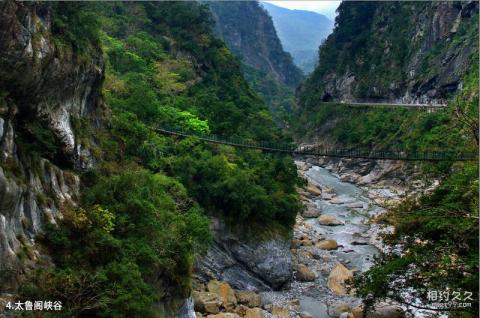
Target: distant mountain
(249,32)
(301,33)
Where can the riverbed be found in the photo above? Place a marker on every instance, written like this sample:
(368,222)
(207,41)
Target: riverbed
(356,237)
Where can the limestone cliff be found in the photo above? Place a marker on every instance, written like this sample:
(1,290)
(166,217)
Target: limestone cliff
(49,91)
(407,52)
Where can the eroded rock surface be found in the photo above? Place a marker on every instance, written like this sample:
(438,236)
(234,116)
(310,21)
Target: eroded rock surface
(246,264)
(45,89)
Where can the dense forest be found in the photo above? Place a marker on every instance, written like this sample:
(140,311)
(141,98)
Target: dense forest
(142,216)
(249,32)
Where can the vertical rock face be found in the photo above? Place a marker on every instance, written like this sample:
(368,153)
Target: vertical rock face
(246,264)
(249,32)
(43,91)
(407,52)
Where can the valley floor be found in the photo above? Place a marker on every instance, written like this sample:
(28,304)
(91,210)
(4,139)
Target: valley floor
(334,238)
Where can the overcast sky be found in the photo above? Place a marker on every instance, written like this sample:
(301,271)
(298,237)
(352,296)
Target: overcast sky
(324,7)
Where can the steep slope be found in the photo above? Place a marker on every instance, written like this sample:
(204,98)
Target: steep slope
(404,52)
(408,52)
(301,33)
(107,215)
(249,32)
(41,140)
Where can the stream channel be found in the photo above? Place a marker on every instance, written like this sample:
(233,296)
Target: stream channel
(356,237)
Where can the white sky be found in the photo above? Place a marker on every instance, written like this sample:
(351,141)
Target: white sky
(321,6)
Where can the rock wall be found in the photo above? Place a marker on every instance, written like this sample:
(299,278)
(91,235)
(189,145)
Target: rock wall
(246,264)
(401,52)
(43,91)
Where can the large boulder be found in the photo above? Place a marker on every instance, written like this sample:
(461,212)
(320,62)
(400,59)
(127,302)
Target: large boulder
(280,312)
(342,200)
(313,190)
(327,245)
(355,205)
(270,260)
(385,310)
(225,293)
(305,314)
(336,309)
(249,298)
(256,313)
(338,279)
(206,302)
(246,263)
(220,264)
(304,273)
(329,220)
(311,212)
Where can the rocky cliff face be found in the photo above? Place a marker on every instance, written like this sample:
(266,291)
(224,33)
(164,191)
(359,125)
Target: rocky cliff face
(246,264)
(47,90)
(249,32)
(407,52)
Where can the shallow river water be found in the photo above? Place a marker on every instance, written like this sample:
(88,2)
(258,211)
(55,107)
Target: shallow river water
(356,239)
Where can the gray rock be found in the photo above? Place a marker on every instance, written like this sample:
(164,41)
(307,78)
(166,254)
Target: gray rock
(221,265)
(355,205)
(49,88)
(311,212)
(360,242)
(187,310)
(271,260)
(246,264)
(385,310)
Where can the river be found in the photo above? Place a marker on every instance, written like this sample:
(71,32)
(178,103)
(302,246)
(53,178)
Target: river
(357,239)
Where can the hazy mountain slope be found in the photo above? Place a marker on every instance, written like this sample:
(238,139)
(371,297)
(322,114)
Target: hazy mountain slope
(301,33)
(249,32)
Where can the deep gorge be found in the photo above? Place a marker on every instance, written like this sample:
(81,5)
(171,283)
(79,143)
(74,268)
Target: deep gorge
(102,213)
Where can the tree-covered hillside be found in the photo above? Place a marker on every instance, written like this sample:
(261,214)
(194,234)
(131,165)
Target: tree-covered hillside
(131,241)
(412,52)
(249,32)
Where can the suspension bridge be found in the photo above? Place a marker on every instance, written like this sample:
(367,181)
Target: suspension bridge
(326,152)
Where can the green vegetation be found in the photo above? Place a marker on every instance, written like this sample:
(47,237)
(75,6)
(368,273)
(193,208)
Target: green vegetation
(142,218)
(439,237)
(380,45)
(117,258)
(453,129)
(279,97)
(438,231)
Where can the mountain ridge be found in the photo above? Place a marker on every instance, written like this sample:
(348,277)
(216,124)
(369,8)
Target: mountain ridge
(249,32)
(301,33)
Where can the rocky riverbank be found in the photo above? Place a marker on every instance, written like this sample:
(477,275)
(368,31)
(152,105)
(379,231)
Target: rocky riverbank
(386,182)
(333,240)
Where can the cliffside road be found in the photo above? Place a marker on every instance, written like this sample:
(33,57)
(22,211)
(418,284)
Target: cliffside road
(390,105)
